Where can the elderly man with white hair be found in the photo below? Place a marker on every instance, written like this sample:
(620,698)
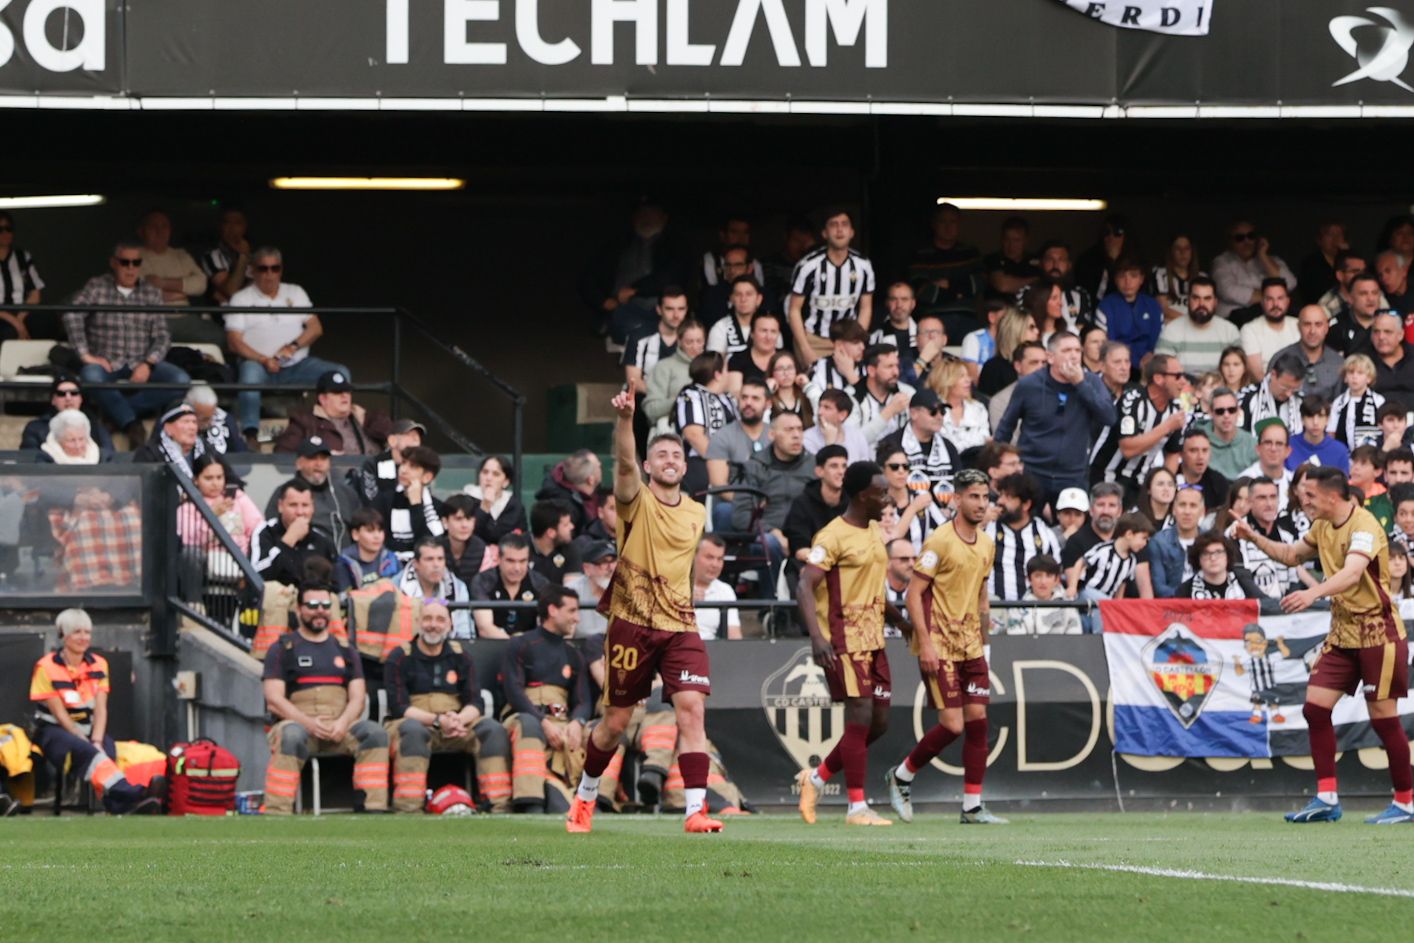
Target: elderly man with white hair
(216,427)
(70,441)
(175,440)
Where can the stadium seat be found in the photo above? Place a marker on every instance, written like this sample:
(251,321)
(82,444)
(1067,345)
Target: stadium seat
(15,355)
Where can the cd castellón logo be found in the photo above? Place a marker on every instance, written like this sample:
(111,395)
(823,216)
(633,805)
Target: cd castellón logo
(1382,62)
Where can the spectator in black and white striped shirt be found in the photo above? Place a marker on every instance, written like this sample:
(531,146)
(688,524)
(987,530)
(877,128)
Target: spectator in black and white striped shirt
(840,370)
(1018,534)
(832,283)
(1107,566)
(732,334)
(701,410)
(646,348)
(900,329)
(20,283)
(734,234)
(1149,417)
(227,265)
(716,303)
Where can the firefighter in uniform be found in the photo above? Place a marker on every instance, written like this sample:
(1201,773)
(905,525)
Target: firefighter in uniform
(69,689)
(546,684)
(314,688)
(434,704)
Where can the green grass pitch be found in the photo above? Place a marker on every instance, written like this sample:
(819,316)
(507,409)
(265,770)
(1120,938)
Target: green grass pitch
(1185,876)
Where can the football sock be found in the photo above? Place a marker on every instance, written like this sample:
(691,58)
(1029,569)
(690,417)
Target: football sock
(974,763)
(595,761)
(832,764)
(932,743)
(855,751)
(694,768)
(857,806)
(1401,776)
(1322,734)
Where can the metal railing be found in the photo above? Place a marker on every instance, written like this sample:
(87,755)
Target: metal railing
(215,578)
(400,320)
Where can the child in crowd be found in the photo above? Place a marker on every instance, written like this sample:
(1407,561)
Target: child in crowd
(1394,426)
(1366,463)
(1313,445)
(467,554)
(1355,414)
(366,560)
(1043,574)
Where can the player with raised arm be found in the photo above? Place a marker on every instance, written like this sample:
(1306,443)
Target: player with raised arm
(947,600)
(841,589)
(652,626)
(1366,649)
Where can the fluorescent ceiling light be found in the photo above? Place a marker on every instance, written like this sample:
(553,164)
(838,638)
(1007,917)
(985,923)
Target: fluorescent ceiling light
(367,183)
(1008,204)
(48,202)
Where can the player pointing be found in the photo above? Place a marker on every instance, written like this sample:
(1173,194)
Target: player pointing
(947,601)
(1366,648)
(652,627)
(841,591)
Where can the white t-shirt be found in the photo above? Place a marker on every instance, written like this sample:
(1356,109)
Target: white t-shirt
(709,621)
(267,333)
(1257,337)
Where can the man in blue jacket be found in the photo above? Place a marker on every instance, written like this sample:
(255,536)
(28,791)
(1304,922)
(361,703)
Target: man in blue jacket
(1057,408)
(1129,315)
(1168,551)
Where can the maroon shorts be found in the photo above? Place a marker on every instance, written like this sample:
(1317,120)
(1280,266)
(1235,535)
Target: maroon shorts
(1380,671)
(861,674)
(634,654)
(958,683)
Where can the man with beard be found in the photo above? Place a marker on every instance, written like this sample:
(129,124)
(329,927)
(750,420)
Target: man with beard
(1197,338)
(841,590)
(1106,505)
(1077,304)
(900,331)
(280,546)
(949,605)
(334,500)
(426,577)
(1264,337)
(1351,330)
(883,400)
(1337,300)
(1323,365)
(733,446)
(315,692)
(434,706)
(1019,536)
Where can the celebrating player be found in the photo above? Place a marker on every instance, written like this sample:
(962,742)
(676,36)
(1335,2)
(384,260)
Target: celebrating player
(1366,648)
(947,600)
(842,586)
(652,628)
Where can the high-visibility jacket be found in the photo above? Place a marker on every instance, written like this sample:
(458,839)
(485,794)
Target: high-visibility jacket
(77,688)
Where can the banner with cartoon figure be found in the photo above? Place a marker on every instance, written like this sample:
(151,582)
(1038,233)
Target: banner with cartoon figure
(1197,678)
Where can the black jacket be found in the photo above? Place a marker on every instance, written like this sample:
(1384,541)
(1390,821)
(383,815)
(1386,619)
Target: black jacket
(281,564)
(37,430)
(808,514)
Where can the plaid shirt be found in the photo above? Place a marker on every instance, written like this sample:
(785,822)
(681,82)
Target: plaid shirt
(98,548)
(125,340)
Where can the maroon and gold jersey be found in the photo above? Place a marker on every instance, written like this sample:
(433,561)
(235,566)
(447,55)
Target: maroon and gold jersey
(849,601)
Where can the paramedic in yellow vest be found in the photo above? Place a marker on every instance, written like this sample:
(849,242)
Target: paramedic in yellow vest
(315,691)
(546,685)
(434,705)
(69,689)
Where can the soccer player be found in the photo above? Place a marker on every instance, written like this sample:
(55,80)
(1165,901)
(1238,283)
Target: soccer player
(842,586)
(652,627)
(1366,649)
(947,600)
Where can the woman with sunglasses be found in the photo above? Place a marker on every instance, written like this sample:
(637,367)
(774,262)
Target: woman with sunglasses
(914,509)
(1214,576)
(64,393)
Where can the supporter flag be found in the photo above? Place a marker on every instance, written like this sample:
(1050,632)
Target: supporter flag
(1202,678)
(1178,17)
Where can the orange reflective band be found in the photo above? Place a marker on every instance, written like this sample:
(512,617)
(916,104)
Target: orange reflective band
(408,777)
(274,772)
(494,777)
(375,765)
(407,792)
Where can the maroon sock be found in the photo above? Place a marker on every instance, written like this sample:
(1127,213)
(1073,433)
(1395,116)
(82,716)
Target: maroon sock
(974,753)
(694,768)
(833,763)
(854,748)
(595,759)
(1391,733)
(932,743)
(1322,734)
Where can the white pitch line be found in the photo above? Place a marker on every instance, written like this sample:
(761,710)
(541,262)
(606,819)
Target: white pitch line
(1231,878)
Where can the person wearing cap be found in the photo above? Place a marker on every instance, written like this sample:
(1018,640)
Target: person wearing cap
(1072,507)
(64,393)
(348,428)
(379,474)
(176,440)
(1058,409)
(280,547)
(599,561)
(426,577)
(274,348)
(334,499)
(216,426)
(928,450)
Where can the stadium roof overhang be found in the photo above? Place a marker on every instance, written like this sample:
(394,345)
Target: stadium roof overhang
(1182,59)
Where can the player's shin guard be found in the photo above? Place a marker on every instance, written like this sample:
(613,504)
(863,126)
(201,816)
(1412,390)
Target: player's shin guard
(1391,733)
(1322,734)
(974,762)
(595,762)
(854,751)
(694,768)
(932,743)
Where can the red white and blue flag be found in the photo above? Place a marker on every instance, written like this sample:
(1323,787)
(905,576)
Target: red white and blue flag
(1213,678)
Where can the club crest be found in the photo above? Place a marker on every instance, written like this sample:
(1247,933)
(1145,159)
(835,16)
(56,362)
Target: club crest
(796,698)
(1184,670)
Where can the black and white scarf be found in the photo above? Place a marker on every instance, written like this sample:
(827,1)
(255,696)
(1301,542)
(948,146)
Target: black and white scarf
(1199,588)
(937,464)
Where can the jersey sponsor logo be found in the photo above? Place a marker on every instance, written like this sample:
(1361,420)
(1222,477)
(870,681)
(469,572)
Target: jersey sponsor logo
(817,555)
(977,690)
(1184,669)
(796,699)
(688,677)
(1362,541)
(451,677)
(1126,426)
(882,693)
(928,560)
(304,661)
